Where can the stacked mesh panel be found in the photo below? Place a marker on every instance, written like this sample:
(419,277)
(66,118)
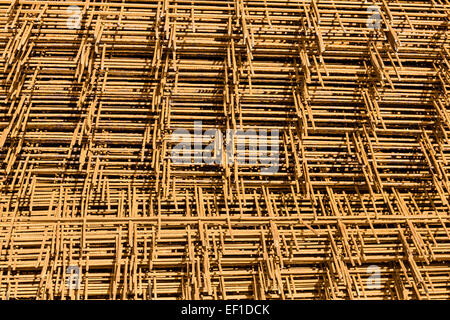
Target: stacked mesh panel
(94,95)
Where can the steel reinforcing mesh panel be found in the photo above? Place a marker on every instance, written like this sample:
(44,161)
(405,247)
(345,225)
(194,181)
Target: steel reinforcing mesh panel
(224,149)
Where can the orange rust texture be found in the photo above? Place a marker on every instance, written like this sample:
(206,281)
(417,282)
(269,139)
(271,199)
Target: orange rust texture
(87,179)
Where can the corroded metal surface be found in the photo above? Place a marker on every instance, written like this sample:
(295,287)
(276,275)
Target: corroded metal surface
(349,200)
